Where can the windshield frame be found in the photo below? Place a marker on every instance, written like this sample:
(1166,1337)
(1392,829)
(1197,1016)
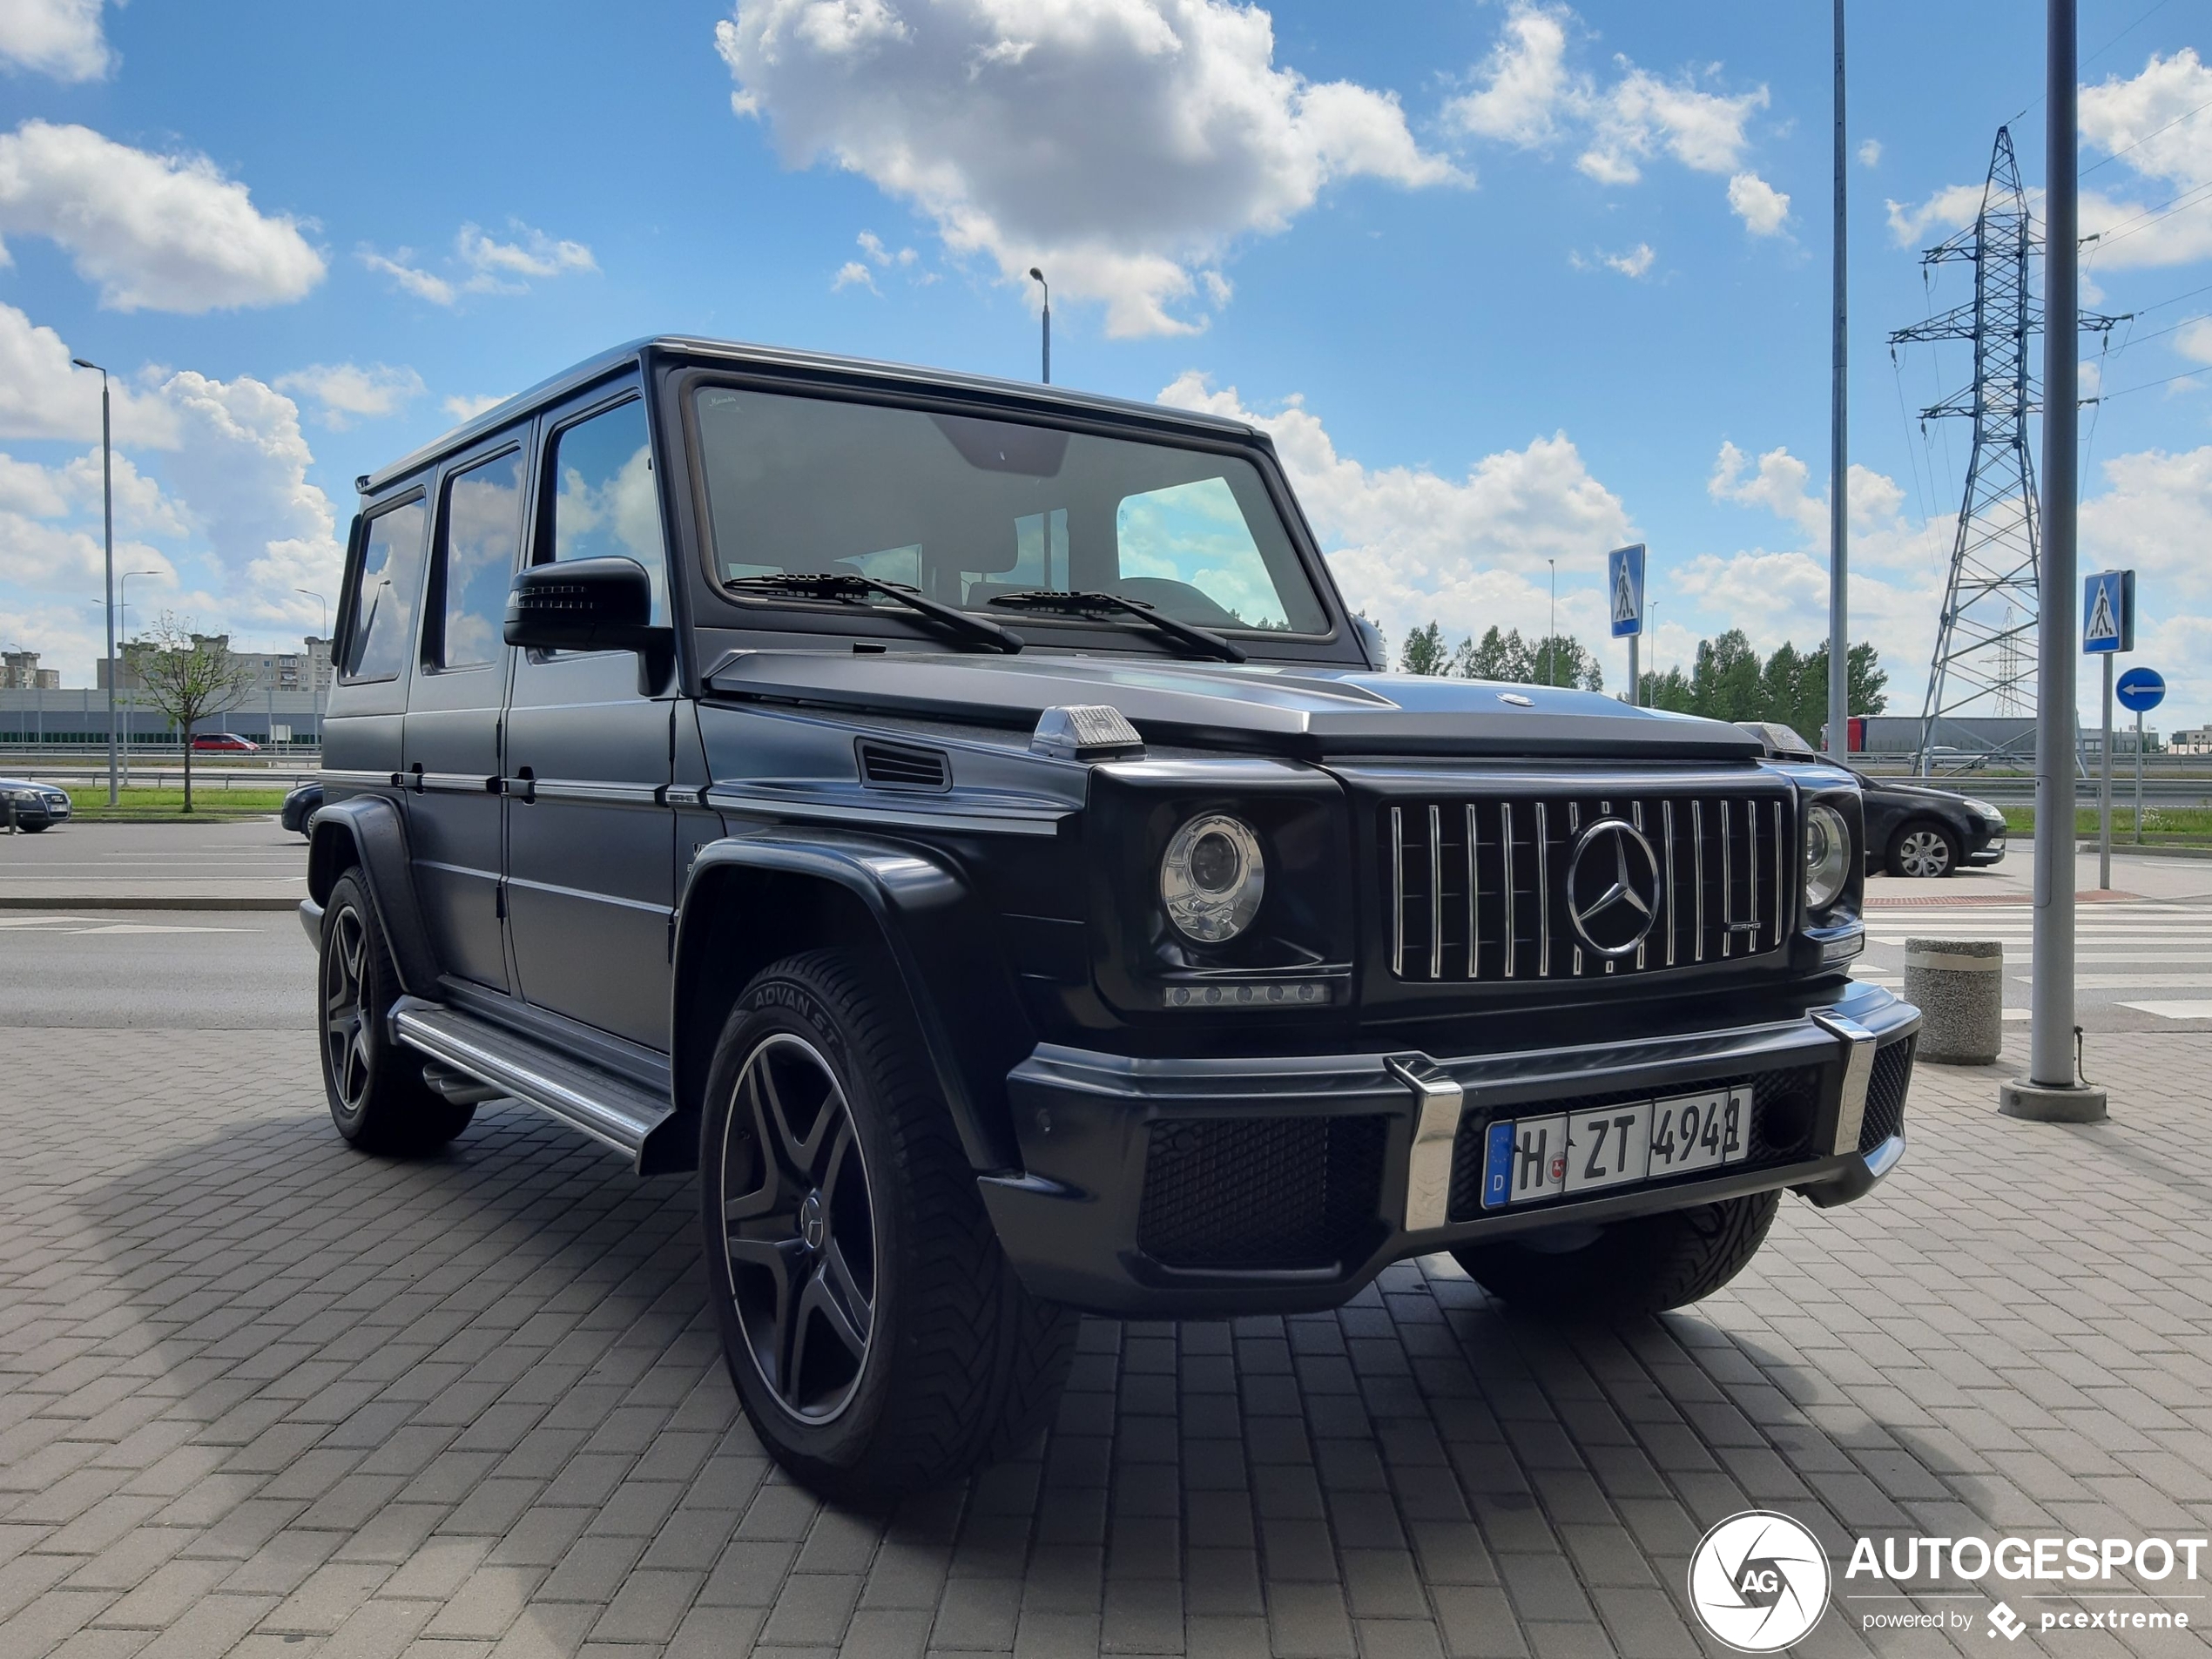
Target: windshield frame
(721,608)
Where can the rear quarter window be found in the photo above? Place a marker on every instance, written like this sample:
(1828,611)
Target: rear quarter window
(388,593)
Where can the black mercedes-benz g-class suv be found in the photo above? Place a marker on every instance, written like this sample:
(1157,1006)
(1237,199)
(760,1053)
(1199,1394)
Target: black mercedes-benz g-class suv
(962,820)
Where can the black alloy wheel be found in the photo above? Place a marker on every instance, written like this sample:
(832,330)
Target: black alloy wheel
(377,1097)
(800,1228)
(345,1034)
(877,1337)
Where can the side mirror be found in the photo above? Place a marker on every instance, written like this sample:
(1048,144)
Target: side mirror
(591,604)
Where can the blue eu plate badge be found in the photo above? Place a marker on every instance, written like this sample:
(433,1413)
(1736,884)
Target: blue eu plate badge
(1497,1166)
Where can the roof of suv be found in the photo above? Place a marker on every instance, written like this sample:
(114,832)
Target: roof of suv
(818,365)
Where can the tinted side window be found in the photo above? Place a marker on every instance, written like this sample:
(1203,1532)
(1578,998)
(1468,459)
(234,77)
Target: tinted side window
(483,531)
(604,505)
(384,601)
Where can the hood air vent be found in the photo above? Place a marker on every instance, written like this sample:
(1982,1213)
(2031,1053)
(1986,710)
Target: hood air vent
(890,766)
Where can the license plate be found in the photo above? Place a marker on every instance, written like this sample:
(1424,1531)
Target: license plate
(1565,1154)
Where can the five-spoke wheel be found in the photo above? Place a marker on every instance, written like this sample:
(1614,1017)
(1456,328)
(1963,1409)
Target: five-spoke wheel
(877,1334)
(344,1036)
(799,1226)
(377,1097)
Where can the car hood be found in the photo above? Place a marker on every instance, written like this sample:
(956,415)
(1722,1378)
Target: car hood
(31,783)
(1918,792)
(1310,710)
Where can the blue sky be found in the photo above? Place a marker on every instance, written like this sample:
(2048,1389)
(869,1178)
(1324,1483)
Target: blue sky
(1510,281)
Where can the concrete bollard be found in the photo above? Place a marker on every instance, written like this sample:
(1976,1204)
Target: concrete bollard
(1959,986)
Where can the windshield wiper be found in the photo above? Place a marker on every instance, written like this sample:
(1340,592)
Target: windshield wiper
(848,587)
(1199,641)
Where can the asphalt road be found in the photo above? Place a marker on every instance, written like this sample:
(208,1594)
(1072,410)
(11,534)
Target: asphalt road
(235,849)
(167,969)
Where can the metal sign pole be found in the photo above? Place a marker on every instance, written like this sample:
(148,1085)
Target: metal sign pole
(1636,677)
(2104,795)
(2139,777)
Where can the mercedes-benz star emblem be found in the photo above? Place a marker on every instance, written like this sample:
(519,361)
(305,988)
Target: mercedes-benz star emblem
(1612,894)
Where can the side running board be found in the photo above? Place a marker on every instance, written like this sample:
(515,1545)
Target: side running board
(619,1113)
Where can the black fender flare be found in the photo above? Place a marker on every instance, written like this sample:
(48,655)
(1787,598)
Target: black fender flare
(368,831)
(934,933)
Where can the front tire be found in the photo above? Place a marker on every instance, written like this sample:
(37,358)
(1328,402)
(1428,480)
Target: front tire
(1923,850)
(1645,1264)
(877,1337)
(375,1090)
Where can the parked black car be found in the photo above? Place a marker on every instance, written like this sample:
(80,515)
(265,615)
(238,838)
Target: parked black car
(300,804)
(1913,828)
(963,821)
(31,806)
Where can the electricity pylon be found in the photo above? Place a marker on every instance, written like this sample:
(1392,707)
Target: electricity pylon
(1986,643)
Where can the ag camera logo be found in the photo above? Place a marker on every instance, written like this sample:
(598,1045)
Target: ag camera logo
(1758,1581)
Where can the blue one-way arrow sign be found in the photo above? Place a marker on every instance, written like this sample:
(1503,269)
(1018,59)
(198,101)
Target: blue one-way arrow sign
(2141,689)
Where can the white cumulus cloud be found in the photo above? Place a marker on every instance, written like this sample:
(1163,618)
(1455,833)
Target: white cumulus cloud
(42,396)
(57,38)
(1124,146)
(1635,263)
(155,233)
(854,274)
(2156,126)
(1870,153)
(348,392)
(1764,209)
(1526,93)
(480,263)
(465,407)
(1409,544)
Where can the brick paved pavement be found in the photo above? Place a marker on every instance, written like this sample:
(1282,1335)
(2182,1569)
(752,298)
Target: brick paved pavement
(260,1394)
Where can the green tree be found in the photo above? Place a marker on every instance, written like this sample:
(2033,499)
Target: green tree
(1727,682)
(188,676)
(1667,690)
(1808,710)
(1425,653)
(1564,660)
(1499,657)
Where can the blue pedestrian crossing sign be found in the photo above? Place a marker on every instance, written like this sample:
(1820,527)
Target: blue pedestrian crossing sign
(2108,611)
(1624,580)
(2141,689)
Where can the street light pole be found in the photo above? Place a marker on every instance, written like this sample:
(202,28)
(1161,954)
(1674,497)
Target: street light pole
(1037,276)
(124,607)
(1839,463)
(1551,632)
(315,679)
(107,513)
(2051,1090)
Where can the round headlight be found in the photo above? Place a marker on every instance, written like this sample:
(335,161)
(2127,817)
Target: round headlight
(1827,856)
(1210,878)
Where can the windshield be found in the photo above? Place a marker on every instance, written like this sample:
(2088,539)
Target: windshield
(964,509)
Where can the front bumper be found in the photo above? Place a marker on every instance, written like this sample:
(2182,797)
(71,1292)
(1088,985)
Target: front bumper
(41,812)
(1370,1149)
(1990,852)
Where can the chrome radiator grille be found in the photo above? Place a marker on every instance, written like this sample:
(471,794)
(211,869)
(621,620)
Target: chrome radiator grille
(1549,886)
